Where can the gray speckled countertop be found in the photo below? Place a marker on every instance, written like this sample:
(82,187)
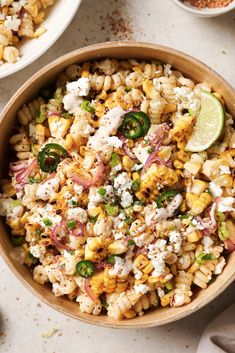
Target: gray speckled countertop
(23,320)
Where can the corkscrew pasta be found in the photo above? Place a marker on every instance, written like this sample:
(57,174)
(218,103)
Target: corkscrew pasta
(104,201)
(19,20)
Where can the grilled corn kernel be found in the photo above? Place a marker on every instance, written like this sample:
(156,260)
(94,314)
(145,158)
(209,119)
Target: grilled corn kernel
(141,261)
(177,164)
(194,236)
(127,162)
(199,186)
(183,156)
(190,198)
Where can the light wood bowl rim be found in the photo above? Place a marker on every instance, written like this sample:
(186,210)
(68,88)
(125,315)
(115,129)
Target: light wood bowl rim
(170,314)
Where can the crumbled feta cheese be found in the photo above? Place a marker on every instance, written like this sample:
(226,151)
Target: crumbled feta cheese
(179,299)
(215,189)
(37,250)
(114,141)
(81,87)
(141,288)
(72,103)
(38,214)
(160,292)
(141,153)
(48,189)
(118,236)
(122,182)
(12,23)
(207,242)
(77,213)
(183,93)
(226,204)
(136,167)
(156,254)
(176,240)
(220,266)
(126,199)
(138,274)
(109,124)
(122,266)
(94,198)
(78,189)
(224,169)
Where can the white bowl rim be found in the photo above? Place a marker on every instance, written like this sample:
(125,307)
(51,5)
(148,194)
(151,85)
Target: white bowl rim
(21,64)
(205,12)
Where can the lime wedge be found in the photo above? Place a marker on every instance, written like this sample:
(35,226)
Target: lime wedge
(209,124)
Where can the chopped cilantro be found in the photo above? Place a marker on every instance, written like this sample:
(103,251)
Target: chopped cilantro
(114,161)
(102,191)
(47,222)
(136,185)
(33,180)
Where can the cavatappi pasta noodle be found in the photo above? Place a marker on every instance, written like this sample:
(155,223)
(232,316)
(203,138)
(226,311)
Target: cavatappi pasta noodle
(105,203)
(18,20)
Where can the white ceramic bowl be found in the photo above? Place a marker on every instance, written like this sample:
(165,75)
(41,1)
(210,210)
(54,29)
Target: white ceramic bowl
(208,12)
(59,17)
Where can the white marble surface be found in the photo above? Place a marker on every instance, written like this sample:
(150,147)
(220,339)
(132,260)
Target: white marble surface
(23,320)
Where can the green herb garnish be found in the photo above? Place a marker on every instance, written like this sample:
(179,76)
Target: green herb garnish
(47,222)
(102,191)
(86,105)
(71,224)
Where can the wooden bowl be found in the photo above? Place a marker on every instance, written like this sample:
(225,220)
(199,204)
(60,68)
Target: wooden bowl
(191,68)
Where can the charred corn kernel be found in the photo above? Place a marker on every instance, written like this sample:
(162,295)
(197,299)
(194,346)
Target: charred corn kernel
(135,176)
(94,243)
(190,198)
(170,108)
(40,133)
(141,261)
(193,268)
(165,153)
(96,211)
(199,205)
(181,145)
(192,168)
(148,268)
(182,128)
(24,218)
(68,142)
(183,156)
(102,95)
(224,180)
(15,40)
(117,247)
(137,68)
(149,89)
(166,299)
(137,208)
(153,280)
(5,10)
(127,162)
(85,73)
(8,190)
(130,314)
(155,175)
(177,164)
(183,206)
(90,255)
(194,236)
(227,156)
(58,126)
(110,103)
(15,224)
(39,32)
(199,186)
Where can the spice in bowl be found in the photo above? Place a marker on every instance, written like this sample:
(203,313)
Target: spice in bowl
(202,4)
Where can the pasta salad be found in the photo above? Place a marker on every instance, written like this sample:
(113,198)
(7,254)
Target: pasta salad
(112,200)
(18,20)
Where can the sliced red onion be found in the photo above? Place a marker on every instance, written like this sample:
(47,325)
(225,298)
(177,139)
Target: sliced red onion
(17,166)
(101,265)
(153,158)
(89,291)
(79,231)
(62,227)
(53,113)
(23,175)
(59,243)
(95,179)
(230,245)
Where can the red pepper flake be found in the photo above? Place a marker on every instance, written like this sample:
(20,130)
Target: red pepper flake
(202,4)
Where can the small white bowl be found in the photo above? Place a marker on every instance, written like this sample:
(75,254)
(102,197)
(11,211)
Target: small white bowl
(207,12)
(59,17)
